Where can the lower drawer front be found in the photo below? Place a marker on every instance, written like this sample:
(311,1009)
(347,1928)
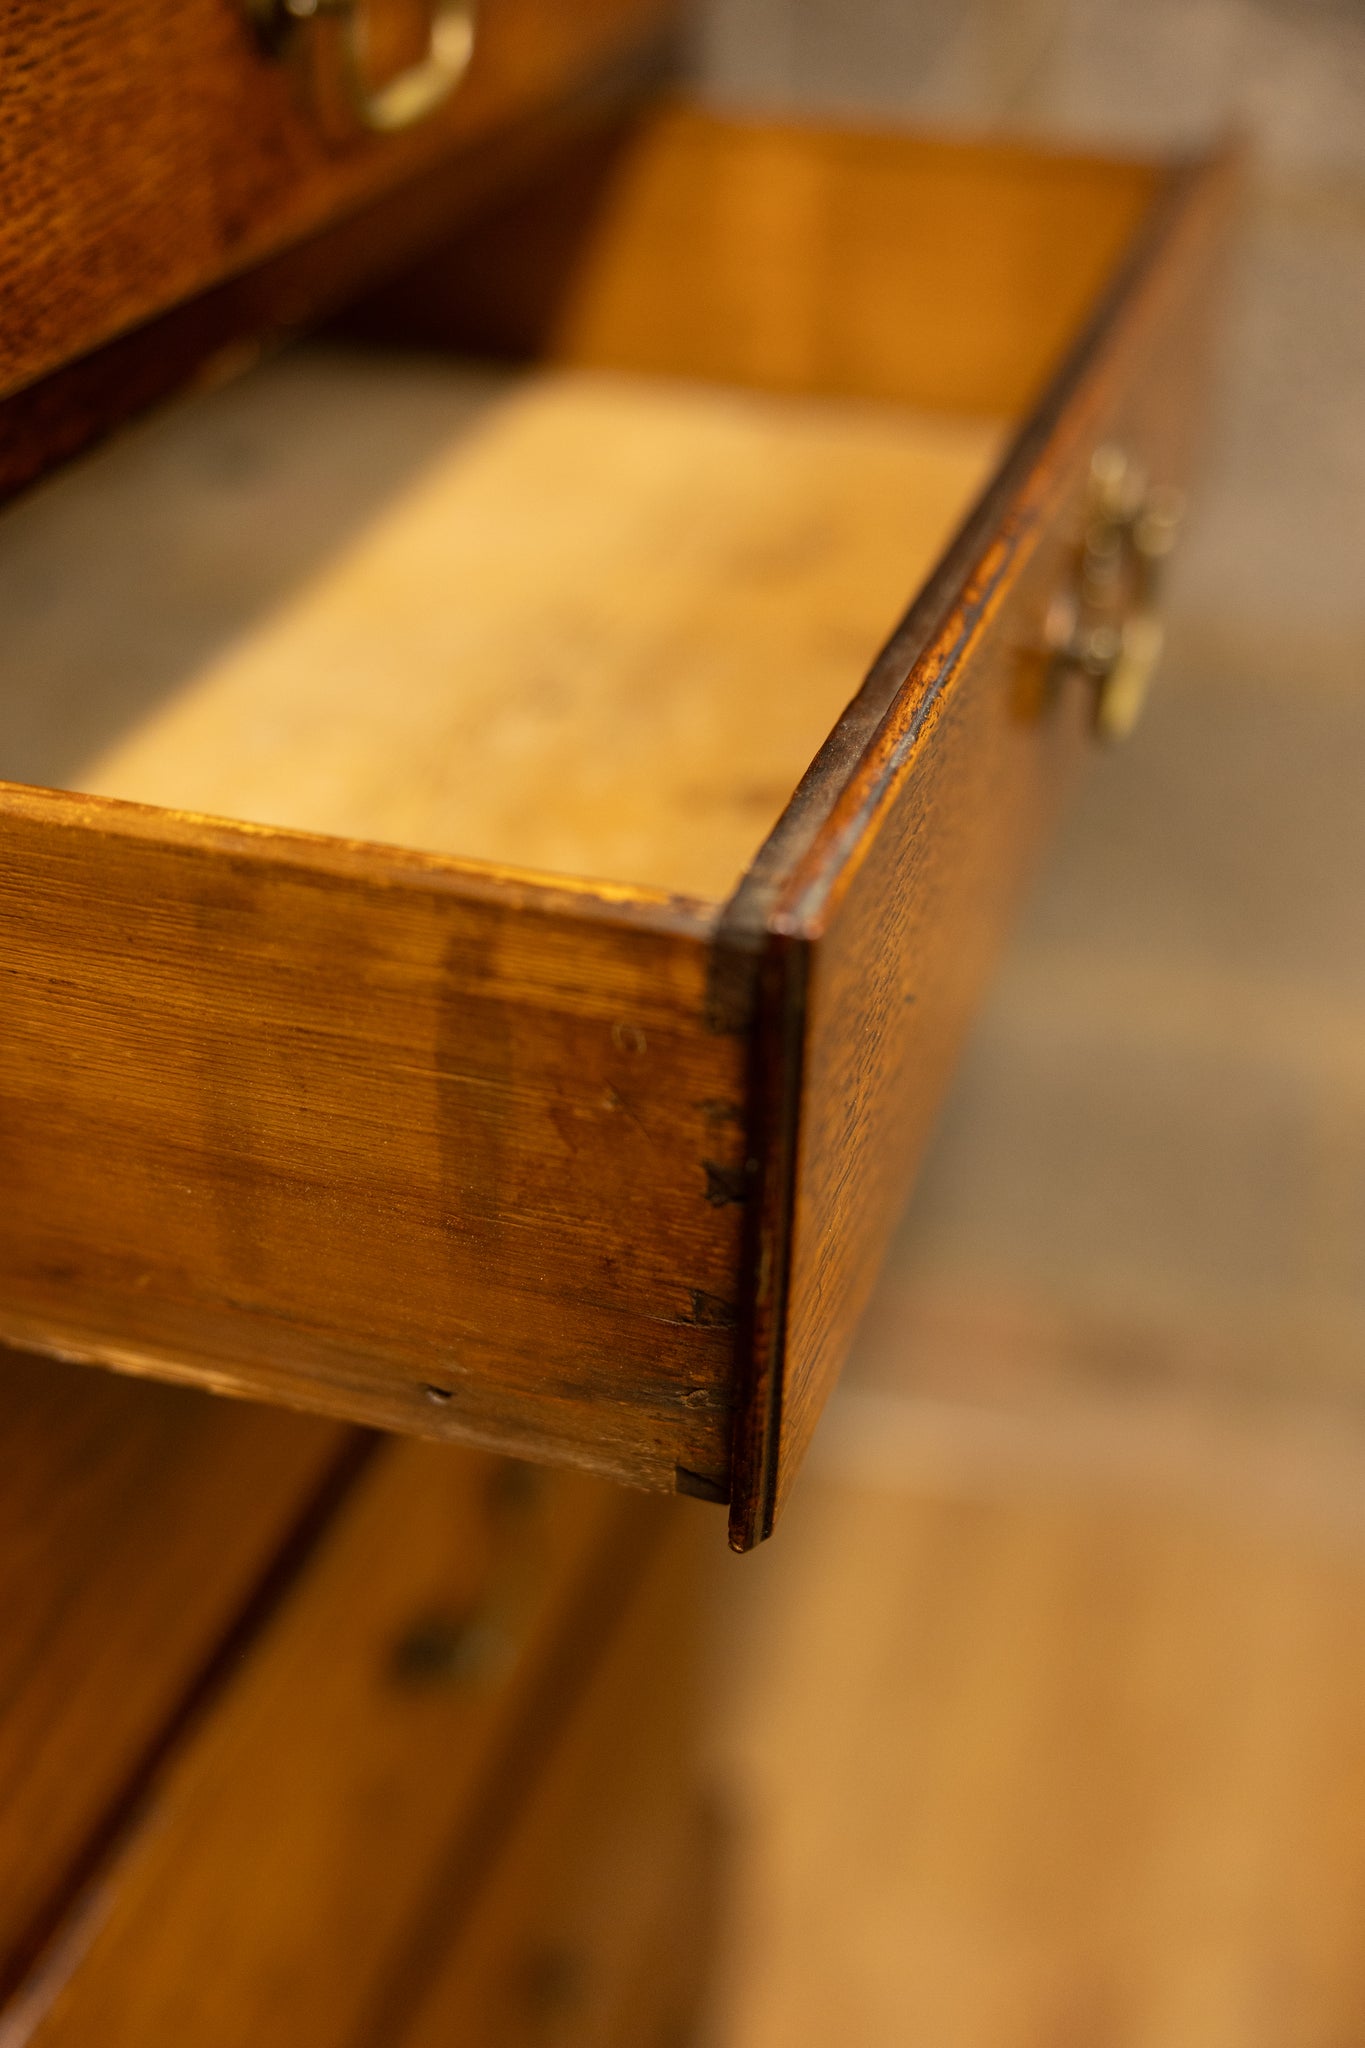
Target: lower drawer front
(140,1527)
(594,1927)
(285,1851)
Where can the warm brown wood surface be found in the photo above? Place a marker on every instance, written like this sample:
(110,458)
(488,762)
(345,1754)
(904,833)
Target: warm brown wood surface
(431,1147)
(592,1928)
(292,1841)
(887,920)
(138,1525)
(584,623)
(457,1151)
(209,339)
(148,148)
(792,257)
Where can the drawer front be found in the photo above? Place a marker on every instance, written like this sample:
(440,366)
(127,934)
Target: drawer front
(149,148)
(593,1928)
(885,924)
(285,1849)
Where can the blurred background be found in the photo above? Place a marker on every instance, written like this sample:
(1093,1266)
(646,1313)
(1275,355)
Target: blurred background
(1047,1707)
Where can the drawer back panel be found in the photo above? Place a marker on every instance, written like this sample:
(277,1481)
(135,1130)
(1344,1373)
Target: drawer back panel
(946,275)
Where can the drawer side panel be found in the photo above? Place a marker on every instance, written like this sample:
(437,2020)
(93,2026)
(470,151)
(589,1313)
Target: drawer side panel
(358,1132)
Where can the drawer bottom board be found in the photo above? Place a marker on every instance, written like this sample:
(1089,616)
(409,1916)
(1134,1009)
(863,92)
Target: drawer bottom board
(580,622)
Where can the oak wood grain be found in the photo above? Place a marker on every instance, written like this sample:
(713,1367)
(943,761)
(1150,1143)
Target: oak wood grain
(284,1850)
(149,148)
(894,901)
(138,1527)
(210,338)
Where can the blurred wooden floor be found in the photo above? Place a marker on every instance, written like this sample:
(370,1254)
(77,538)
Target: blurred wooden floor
(1048,1700)
(1028,1761)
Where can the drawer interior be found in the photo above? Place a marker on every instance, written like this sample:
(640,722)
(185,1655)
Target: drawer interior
(581,584)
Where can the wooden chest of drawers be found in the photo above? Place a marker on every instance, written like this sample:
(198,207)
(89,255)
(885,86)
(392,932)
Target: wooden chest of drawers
(502,843)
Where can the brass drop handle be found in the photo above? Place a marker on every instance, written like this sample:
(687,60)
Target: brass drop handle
(1108,627)
(402,101)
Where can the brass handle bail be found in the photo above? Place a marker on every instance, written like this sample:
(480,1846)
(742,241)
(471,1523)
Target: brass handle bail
(403,101)
(1108,627)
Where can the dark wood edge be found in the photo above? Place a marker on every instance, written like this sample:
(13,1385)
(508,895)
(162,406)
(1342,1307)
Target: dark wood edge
(777,914)
(225,329)
(776,1075)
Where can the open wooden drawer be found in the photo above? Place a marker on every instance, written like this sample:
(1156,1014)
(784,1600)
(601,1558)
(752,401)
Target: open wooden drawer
(371,1103)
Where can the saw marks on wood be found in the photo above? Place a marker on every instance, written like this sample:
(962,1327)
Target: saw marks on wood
(586,623)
